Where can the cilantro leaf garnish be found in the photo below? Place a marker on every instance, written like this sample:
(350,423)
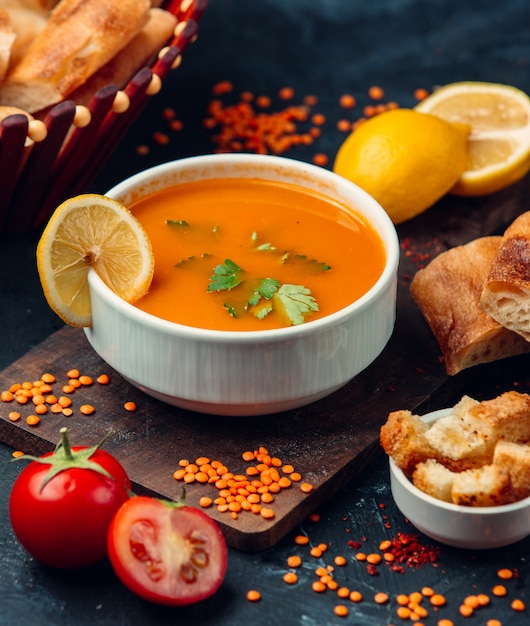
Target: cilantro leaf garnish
(296,301)
(266,289)
(177,223)
(191,258)
(312,265)
(225,276)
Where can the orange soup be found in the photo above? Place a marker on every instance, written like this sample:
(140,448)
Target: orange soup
(248,254)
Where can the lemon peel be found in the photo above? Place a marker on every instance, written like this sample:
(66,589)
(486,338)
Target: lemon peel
(499,141)
(405,159)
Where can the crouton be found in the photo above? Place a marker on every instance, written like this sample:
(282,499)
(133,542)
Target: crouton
(488,485)
(515,458)
(403,438)
(434,479)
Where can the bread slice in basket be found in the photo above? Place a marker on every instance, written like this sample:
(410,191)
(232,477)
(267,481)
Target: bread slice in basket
(79,37)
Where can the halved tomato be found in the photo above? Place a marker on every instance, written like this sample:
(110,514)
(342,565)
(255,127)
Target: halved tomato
(167,552)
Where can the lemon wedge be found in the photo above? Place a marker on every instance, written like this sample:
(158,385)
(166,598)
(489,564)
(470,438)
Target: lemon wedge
(499,141)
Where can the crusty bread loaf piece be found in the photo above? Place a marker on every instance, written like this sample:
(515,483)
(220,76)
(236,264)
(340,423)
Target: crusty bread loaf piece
(155,33)
(506,292)
(515,458)
(40,5)
(448,293)
(79,38)
(434,479)
(27,23)
(7,39)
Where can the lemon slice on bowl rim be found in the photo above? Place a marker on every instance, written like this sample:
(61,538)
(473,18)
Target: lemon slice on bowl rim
(499,141)
(92,231)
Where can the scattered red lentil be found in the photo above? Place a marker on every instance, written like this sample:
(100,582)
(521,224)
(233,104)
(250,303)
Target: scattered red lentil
(518,605)
(356,596)
(320,159)
(294,561)
(290,578)
(130,406)
(483,599)
(32,420)
(253,595)
(347,101)
(286,93)
(341,611)
(223,86)
(318,586)
(505,574)
(344,126)
(16,454)
(465,611)
(420,93)
(376,93)
(381,597)
(499,590)
(103,379)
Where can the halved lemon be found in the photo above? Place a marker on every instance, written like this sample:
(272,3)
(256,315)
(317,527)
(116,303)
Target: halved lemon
(499,142)
(92,231)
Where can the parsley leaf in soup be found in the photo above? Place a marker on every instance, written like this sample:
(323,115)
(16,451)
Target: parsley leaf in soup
(296,302)
(225,276)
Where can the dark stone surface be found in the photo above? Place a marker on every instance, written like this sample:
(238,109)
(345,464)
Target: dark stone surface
(326,48)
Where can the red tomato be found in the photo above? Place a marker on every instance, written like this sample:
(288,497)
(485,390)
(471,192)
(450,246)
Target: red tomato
(65,523)
(167,552)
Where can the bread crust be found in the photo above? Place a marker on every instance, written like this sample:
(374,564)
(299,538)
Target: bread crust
(506,292)
(448,292)
(79,37)
(136,54)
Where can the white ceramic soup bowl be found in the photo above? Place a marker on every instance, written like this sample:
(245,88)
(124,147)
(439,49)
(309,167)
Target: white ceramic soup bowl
(246,372)
(474,528)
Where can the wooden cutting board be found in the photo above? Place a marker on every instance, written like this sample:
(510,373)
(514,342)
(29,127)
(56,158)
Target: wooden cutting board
(328,442)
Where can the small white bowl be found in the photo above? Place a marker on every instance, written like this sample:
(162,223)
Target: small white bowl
(256,372)
(475,528)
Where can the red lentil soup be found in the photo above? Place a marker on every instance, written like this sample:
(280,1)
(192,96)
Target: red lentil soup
(239,254)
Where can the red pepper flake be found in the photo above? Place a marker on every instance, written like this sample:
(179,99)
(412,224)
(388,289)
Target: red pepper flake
(223,86)
(372,570)
(408,550)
